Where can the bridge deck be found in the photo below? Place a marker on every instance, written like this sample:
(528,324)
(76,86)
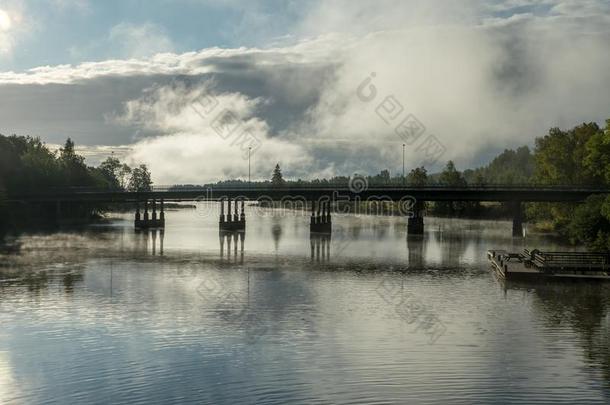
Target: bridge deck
(334,193)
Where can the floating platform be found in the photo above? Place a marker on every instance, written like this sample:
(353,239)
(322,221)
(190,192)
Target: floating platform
(537,265)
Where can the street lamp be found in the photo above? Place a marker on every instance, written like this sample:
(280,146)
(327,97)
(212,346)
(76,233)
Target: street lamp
(249,153)
(403,163)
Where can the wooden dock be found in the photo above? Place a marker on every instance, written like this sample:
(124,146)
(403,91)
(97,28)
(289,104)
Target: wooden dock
(537,265)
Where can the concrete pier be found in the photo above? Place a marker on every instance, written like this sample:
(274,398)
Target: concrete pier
(147,221)
(233,220)
(517,209)
(321,221)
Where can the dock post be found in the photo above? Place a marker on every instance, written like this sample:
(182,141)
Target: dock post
(517,219)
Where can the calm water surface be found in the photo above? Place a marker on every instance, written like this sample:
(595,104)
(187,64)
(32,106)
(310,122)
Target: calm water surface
(107,315)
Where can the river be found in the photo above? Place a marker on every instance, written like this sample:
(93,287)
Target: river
(103,314)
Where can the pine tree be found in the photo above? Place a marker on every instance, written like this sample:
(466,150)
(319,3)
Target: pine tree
(277,179)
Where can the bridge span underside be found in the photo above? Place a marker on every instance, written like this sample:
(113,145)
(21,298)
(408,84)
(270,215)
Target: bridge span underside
(324,198)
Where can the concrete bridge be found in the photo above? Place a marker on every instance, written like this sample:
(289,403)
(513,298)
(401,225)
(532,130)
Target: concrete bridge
(321,200)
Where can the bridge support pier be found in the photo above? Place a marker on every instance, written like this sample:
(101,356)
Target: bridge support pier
(146,221)
(517,209)
(322,221)
(415,225)
(234,220)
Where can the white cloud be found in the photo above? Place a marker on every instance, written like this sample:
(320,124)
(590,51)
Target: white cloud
(192,149)
(478,81)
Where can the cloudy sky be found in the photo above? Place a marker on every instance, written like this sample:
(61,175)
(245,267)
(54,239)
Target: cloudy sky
(321,86)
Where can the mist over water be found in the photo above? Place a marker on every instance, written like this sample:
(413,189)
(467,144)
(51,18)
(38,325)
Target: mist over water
(107,315)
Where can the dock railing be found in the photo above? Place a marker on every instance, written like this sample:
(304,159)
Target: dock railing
(573,261)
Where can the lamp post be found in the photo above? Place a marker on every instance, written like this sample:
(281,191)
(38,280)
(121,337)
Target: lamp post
(249,153)
(403,164)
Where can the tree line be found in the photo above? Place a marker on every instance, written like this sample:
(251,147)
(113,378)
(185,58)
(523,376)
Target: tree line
(28,165)
(576,157)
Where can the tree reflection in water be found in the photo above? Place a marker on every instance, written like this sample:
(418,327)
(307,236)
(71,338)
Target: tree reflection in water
(583,306)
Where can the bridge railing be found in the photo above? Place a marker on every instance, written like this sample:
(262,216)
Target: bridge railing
(314,187)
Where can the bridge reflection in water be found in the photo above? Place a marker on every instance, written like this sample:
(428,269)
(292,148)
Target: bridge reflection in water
(353,239)
(320,247)
(150,240)
(234,242)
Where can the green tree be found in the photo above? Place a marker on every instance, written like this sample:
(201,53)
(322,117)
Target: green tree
(75,170)
(383,178)
(509,167)
(450,176)
(590,223)
(39,168)
(580,156)
(597,156)
(480,179)
(417,177)
(110,169)
(560,156)
(124,175)
(277,180)
(140,179)
(117,174)
(27,164)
